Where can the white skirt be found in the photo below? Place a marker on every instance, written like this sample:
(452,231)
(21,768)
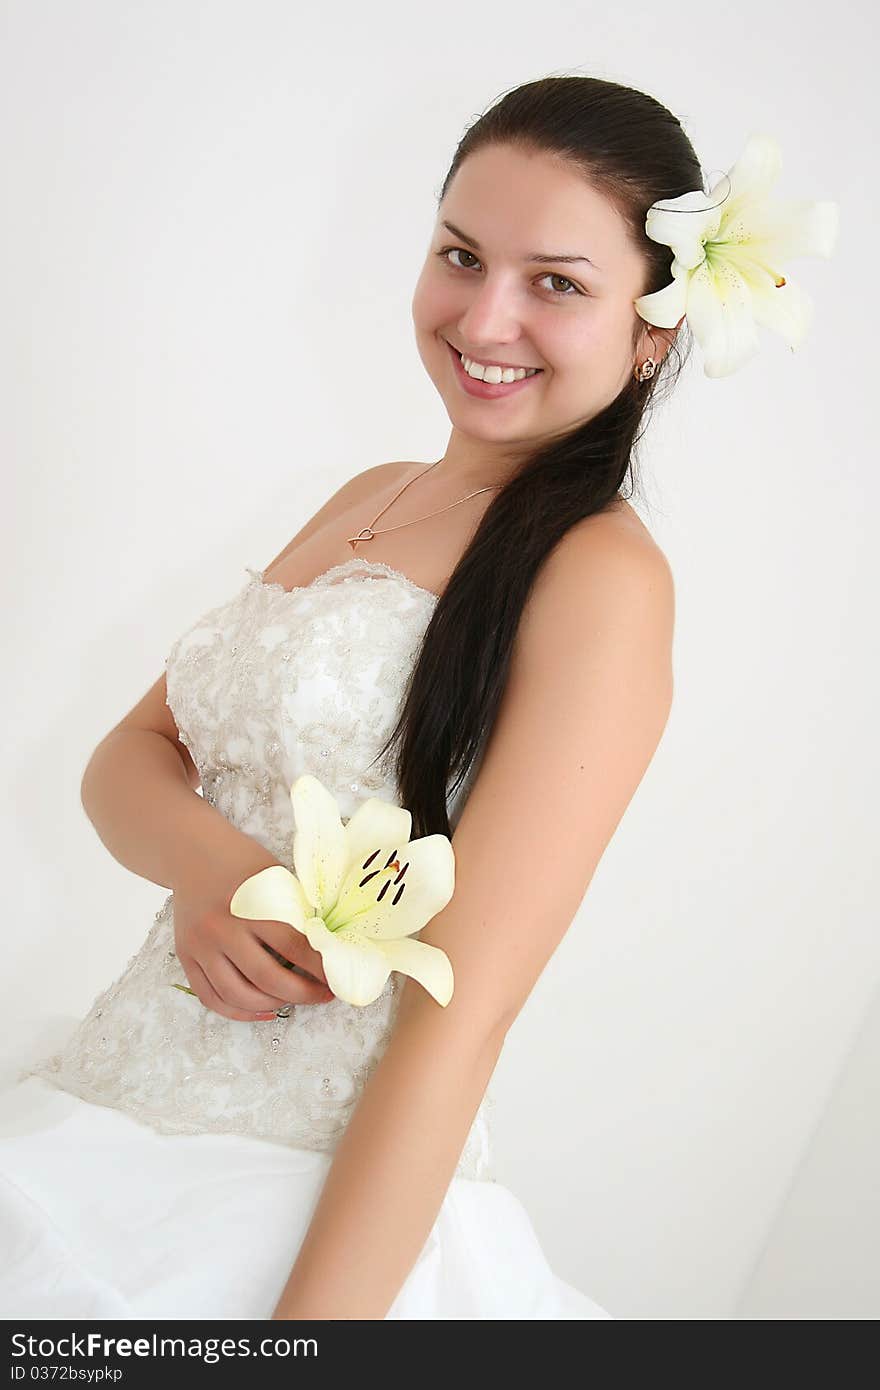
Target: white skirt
(103,1216)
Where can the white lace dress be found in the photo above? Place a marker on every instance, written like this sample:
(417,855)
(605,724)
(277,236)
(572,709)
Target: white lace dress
(164,1161)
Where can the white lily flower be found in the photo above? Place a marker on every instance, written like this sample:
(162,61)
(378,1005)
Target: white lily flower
(729,257)
(359,893)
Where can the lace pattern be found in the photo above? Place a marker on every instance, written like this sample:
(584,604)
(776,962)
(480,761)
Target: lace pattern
(265,687)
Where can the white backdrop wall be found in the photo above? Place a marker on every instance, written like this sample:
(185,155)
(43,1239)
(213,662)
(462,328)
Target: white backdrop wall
(211,212)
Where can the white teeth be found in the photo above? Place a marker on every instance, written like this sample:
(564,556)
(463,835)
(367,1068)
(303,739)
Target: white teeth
(495,375)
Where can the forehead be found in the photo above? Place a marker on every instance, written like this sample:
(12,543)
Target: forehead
(515,203)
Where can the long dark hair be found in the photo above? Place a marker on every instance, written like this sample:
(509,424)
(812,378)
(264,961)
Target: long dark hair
(632,149)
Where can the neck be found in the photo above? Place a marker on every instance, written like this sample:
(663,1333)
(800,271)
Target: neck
(469,464)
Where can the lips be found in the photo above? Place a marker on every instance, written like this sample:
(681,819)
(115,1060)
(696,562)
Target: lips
(478,389)
(504,366)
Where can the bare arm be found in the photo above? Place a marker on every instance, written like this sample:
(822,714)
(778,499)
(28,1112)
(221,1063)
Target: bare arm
(136,792)
(586,704)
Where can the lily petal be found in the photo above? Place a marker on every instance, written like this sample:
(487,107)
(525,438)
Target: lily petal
(320,855)
(384,904)
(665,307)
(684,223)
(427,964)
(375,823)
(752,176)
(355,968)
(721,317)
(316,932)
(787,229)
(272,895)
(787,309)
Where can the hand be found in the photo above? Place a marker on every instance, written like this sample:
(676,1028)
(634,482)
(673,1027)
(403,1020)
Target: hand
(232,963)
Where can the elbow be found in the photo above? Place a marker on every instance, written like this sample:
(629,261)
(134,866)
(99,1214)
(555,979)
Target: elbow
(481,1024)
(503,1019)
(84,784)
(465,1027)
(477,1015)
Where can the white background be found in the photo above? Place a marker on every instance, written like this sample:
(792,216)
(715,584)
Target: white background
(214,218)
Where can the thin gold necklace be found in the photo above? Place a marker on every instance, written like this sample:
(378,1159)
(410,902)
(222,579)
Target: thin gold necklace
(368,532)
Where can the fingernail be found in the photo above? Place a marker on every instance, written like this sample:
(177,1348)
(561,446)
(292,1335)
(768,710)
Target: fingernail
(265,1016)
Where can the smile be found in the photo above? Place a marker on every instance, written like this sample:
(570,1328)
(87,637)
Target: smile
(496,386)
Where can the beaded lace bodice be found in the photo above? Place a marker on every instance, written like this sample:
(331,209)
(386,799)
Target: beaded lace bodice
(269,685)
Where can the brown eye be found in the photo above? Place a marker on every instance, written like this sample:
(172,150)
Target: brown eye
(459,250)
(570,293)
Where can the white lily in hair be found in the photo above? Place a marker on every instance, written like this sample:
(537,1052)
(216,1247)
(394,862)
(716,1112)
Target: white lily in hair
(731,246)
(359,893)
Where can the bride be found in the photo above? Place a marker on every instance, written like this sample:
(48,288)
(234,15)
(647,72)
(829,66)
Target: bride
(251,1144)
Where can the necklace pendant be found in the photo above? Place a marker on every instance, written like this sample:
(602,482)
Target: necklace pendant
(365,534)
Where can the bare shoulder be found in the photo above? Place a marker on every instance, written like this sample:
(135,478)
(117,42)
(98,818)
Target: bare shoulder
(607,570)
(363,483)
(619,532)
(384,470)
(369,479)
(370,482)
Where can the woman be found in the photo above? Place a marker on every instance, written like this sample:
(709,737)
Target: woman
(504,620)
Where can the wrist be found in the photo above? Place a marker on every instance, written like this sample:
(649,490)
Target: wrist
(219,865)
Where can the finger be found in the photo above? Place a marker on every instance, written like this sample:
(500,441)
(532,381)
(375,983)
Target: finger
(238,991)
(208,994)
(293,945)
(265,973)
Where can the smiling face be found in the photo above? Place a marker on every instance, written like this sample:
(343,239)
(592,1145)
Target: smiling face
(481,291)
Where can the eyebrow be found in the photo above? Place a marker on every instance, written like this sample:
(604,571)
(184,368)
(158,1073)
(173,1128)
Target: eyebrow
(539,256)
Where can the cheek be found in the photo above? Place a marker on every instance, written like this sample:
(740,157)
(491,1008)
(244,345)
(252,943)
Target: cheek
(597,339)
(427,302)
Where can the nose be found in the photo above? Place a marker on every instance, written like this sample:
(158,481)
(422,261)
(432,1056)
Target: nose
(490,319)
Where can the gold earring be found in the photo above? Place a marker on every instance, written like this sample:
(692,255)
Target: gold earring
(646,370)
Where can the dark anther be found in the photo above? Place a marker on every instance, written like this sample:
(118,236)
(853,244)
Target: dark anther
(398,895)
(402,872)
(368,877)
(380,895)
(372,856)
